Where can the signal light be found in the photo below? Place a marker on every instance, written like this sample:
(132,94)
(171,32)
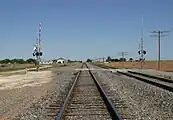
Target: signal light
(139,52)
(41,53)
(144,52)
(37,53)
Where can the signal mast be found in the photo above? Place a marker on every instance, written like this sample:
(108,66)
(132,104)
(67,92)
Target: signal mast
(142,52)
(37,49)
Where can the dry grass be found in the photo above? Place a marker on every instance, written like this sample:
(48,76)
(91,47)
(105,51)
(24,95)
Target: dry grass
(12,67)
(166,65)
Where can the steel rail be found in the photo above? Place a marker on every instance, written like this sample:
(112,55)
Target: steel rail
(148,81)
(113,113)
(151,76)
(111,108)
(62,109)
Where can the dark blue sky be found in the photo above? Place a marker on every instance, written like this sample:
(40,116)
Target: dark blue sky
(80,29)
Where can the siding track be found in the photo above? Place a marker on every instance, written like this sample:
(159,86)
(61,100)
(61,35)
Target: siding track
(158,82)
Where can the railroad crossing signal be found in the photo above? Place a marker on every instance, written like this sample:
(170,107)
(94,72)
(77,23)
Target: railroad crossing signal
(37,48)
(142,51)
(37,54)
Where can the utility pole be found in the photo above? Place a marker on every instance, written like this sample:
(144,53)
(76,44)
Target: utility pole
(139,45)
(142,45)
(159,34)
(103,59)
(123,57)
(39,41)
(37,49)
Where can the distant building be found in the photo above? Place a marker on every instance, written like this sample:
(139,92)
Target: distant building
(61,60)
(46,62)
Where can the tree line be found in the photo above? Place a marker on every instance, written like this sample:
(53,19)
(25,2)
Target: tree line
(71,61)
(18,61)
(109,59)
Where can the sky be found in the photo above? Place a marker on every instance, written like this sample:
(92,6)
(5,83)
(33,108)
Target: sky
(81,29)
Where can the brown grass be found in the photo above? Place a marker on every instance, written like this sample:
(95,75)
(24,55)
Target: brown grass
(12,67)
(166,65)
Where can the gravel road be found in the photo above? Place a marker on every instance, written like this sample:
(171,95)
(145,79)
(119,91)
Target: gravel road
(143,101)
(30,102)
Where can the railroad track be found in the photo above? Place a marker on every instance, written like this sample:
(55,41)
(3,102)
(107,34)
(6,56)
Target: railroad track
(86,100)
(153,80)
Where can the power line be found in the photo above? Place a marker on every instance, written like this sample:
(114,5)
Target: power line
(100,59)
(123,54)
(159,34)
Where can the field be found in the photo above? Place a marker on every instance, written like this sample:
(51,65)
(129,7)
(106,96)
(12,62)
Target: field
(20,68)
(166,65)
(12,67)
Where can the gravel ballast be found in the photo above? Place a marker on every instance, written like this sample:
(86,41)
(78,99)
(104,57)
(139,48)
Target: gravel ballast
(143,101)
(167,75)
(30,102)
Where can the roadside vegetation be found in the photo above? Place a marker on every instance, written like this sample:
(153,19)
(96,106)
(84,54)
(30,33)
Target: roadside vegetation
(109,59)
(16,64)
(18,61)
